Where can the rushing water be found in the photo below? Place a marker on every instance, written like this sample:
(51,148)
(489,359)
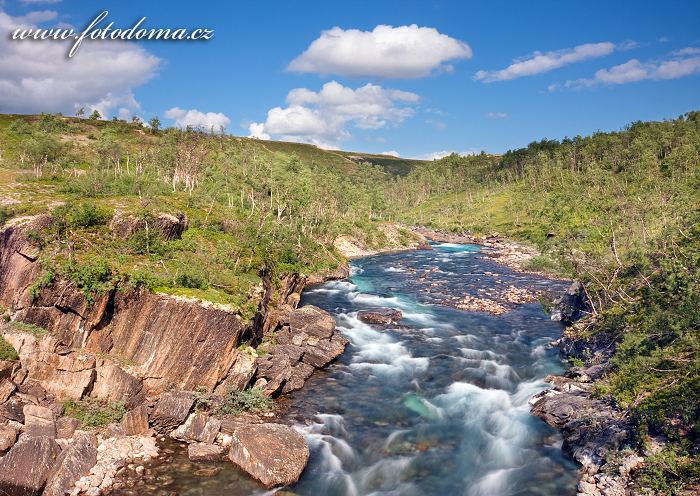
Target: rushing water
(436,405)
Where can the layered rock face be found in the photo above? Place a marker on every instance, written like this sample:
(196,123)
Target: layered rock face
(149,351)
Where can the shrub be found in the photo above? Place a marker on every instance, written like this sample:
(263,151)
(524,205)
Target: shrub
(249,400)
(7,352)
(191,280)
(94,276)
(93,413)
(81,215)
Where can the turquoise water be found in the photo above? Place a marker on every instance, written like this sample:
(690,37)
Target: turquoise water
(437,404)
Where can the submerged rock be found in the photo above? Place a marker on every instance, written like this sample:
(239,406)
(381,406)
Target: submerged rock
(204,452)
(26,467)
(380,316)
(274,454)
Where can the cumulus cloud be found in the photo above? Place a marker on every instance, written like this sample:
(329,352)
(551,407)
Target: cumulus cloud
(386,51)
(539,62)
(36,76)
(444,153)
(681,63)
(391,153)
(196,119)
(496,115)
(322,118)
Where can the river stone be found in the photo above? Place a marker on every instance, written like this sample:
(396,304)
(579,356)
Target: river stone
(324,352)
(204,452)
(380,315)
(73,462)
(171,410)
(135,421)
(274,454)
(25,468)
(39,421)
(311,320)
(198,427)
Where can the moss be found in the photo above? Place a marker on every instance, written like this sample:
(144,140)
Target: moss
(34,330)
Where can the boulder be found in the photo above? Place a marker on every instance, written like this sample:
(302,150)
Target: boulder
(275,369)
(170,226)
(198,427)
(8,436)
(204,452)
(242,371)
(571,305)
(171,410)
(64,376)
(380,316)
(324,352)
(65,427)
(274,454)
(7,387)
(300,372)
(26,467)
(135,422)
(113,383)
(312,321)
(7,368)
(73,463)
(39,421)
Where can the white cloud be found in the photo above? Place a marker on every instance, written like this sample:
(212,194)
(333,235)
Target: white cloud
(496,115)
(681,63)
(322,118)
(392,153)
(36,76)
(539,62)
(386,51)
(444,153)
(36,17)
(197,119)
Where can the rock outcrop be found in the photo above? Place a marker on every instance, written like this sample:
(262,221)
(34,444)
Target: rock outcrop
(306,339)
(25,469)
(170,226)
(594,432)
(382,316)
(74,462)
(274,454)
(572,305)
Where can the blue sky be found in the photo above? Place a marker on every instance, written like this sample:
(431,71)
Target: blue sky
(468,76)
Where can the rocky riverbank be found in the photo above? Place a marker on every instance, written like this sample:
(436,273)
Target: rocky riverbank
(165,363)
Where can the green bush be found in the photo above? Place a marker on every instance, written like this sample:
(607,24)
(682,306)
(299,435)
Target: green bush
(93,276)
(83,215)
(93,413)
(249,400)
(192,280)
(7,352)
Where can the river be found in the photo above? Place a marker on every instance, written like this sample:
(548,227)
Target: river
(436,405)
